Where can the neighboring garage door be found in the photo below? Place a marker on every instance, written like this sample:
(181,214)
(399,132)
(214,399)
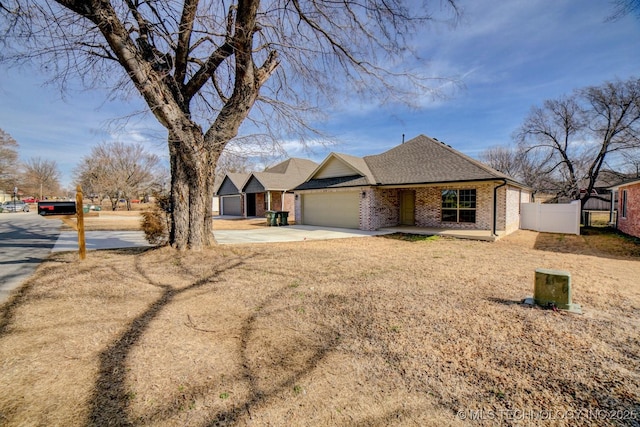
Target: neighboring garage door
(331,209)
(231,205)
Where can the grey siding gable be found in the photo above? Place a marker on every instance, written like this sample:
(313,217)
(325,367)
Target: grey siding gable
(254,186)
(227,188)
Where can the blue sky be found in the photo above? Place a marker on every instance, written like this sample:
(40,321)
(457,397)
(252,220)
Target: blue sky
(509,55)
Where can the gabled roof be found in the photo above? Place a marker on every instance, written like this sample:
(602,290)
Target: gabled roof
(283,176)
(421,160)
(293,166)
(232,183)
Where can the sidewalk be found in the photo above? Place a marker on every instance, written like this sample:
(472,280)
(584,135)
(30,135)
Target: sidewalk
(68,240)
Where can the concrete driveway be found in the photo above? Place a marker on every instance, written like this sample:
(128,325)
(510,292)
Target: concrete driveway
(292,233)
(68,240)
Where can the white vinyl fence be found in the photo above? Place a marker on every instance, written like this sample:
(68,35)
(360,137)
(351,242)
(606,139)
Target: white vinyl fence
(551,218)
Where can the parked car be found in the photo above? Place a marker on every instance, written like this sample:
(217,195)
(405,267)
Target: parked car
(30,200)
(16,206)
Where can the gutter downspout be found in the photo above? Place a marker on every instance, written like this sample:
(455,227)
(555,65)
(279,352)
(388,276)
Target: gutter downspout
(495,207)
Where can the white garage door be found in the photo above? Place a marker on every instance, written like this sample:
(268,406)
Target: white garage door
(231,205)
(331,209)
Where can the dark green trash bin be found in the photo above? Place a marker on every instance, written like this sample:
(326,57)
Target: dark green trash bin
(284,217)
(271,218)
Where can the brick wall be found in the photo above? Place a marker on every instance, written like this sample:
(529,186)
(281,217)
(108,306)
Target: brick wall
(380,207)
(512,209)
(429,203)
(289,205)
(631,223)
(260,209)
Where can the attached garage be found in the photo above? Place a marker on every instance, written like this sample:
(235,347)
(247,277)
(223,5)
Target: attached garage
(231,205)
(332,209)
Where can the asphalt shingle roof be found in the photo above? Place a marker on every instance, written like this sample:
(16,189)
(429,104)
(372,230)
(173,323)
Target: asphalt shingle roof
(286,175)
(421,160)
(425,160)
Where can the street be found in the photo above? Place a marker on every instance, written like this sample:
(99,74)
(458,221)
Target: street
(26,240)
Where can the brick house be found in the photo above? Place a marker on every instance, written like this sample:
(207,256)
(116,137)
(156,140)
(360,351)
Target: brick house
(421,183)
(231,199)
(629,207)
(251,194)
(273,188)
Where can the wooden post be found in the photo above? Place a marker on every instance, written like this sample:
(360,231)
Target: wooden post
(82,248)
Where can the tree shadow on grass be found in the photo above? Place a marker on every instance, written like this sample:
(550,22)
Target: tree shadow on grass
(108,405)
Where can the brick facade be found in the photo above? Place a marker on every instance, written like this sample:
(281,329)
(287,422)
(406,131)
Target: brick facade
(380,207)
(276,203)
(514,197)
(630,223)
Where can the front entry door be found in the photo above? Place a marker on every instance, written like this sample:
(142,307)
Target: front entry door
(407,207)
(251,204)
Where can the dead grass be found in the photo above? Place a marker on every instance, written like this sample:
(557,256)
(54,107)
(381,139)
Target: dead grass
(363,332)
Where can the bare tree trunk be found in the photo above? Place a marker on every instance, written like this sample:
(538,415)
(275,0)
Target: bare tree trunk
(192,176)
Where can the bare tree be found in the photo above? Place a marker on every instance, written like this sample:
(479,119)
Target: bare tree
(623,8)
(40,177)
(503,159)
(631,163)
(118,171)
(570,138)
(8,162)
(201,66)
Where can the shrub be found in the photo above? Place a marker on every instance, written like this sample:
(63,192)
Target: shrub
(157,221)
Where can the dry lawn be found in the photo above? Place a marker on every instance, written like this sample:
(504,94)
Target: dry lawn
(360,332)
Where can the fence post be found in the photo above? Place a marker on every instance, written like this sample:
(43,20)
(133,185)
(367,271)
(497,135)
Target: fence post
(82,248)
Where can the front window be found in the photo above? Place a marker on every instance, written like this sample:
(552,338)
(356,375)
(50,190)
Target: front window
(624,203)
(459,206)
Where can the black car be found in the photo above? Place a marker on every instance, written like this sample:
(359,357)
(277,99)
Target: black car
(16,206)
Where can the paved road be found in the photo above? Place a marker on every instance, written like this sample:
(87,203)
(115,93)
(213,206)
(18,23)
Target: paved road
(26,239)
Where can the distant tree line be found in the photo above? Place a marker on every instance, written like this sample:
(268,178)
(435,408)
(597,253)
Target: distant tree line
(35,177)
(112,171)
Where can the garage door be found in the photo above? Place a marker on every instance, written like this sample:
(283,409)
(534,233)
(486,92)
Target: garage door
(231,205)
(332,209)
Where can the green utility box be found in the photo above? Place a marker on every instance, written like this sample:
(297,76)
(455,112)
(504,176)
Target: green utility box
(553,287)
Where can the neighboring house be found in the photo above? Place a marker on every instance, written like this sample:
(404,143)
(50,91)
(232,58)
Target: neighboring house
(229,194)
(422,182)
(600,199)
(628,207)
(253,194)
(273,188)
